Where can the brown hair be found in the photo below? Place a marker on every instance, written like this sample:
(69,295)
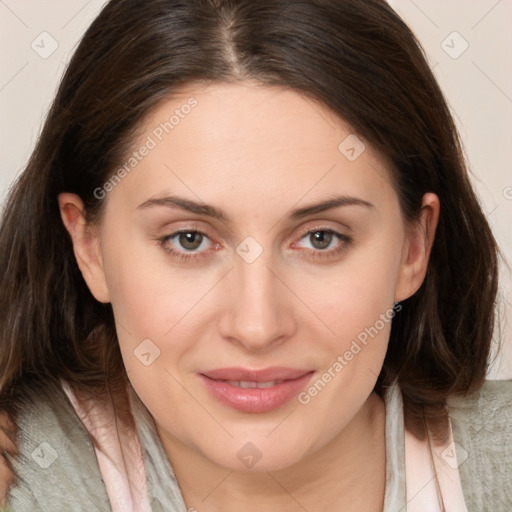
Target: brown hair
(355,56)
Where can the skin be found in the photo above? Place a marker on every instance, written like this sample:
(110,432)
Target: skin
(257,152)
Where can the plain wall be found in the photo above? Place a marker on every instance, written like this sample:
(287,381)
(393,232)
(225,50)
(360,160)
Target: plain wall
(468,45)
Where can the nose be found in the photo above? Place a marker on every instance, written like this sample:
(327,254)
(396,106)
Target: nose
(258,313)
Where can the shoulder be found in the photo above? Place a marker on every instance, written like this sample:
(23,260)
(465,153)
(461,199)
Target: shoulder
(55,467)
(482,431)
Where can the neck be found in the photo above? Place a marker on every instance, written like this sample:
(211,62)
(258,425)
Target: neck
(346,474)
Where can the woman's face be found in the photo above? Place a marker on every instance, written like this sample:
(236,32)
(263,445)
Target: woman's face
(262,286)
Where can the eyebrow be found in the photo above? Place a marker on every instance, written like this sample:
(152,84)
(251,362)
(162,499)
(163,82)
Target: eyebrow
(217,213)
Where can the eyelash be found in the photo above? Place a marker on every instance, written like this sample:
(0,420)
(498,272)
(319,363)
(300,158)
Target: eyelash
(315,254)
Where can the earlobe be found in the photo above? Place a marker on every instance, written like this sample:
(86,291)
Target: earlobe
(417,248)
(86,245)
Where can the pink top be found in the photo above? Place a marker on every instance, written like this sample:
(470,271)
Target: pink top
(421,469)
(122,467)
(120,457)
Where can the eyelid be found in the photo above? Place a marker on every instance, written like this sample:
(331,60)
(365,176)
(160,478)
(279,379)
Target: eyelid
(321,227)
(187,228)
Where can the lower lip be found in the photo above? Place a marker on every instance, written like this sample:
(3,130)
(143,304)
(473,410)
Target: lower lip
(256,400)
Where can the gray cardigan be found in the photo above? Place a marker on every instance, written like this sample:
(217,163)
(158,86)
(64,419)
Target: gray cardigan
(57,468)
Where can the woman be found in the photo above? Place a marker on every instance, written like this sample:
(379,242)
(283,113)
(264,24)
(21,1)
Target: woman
(245,269)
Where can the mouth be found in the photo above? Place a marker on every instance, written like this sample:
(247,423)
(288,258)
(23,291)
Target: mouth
(255,391)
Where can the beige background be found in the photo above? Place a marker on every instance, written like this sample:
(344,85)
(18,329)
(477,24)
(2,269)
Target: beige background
(468,45)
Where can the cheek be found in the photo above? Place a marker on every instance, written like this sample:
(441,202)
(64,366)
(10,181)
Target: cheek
(356,304)
(153,304)
(149,295)
(359,311)
(355,293)
(154,311)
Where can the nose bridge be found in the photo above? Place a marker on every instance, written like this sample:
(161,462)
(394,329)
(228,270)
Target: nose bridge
(258,312)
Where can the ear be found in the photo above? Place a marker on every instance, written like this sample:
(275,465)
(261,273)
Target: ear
(86,244)
(417,247)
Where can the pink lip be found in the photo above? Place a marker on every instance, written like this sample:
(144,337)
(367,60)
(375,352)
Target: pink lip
(255,400)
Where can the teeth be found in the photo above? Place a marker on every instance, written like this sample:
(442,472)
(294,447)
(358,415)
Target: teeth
(245,384)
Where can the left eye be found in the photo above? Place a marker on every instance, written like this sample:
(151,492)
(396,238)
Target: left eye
(321,238)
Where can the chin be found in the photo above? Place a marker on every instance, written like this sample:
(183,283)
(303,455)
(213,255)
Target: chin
(257,456)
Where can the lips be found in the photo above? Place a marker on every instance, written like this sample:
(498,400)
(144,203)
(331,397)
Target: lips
(255,391)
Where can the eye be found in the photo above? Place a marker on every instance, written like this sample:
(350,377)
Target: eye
(189,240)
(320,239)
(185,241)
(325,242)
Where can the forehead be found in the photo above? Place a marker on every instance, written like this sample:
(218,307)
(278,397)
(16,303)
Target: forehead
(248,113)
(259,142)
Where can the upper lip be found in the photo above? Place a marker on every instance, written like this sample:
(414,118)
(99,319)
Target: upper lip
(255,375)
